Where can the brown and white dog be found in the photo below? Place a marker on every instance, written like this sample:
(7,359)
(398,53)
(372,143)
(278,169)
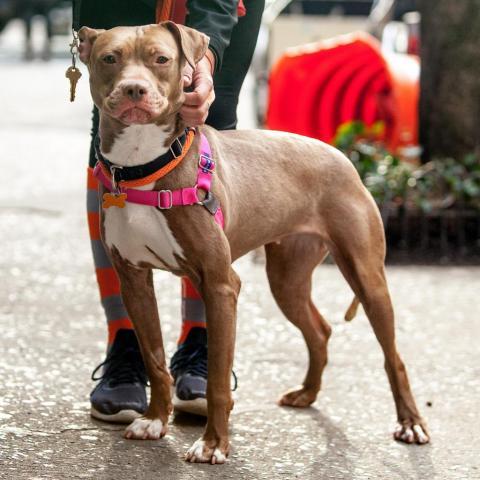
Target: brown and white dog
(298,197)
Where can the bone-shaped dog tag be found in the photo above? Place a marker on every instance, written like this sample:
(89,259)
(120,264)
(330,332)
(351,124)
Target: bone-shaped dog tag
(114,200)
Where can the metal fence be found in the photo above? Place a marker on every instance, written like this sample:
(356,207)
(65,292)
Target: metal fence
(445,236)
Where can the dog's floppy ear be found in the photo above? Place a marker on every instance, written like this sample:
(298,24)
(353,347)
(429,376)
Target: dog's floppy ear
(193,43)
(87,37)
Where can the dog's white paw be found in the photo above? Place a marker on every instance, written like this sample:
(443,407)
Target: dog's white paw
(200,452)
(146,429)
(411,433)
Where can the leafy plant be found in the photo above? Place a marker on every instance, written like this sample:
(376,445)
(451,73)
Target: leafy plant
(439,184)
(443,183)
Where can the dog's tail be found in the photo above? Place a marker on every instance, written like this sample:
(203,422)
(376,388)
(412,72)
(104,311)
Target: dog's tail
(352,309)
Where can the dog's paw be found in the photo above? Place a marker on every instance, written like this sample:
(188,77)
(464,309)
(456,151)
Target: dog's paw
(200,452)
(298,397)
(146,429)
(411,432)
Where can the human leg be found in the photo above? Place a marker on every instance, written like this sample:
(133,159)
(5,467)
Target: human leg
(190,375)
(120,395)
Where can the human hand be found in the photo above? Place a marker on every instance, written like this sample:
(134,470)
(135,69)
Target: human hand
(197,103)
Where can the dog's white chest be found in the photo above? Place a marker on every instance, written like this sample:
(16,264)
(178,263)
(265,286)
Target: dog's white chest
(141,235)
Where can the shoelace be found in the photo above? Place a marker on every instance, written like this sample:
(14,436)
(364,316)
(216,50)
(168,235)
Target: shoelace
(193,360)
(190,359)
(122,367)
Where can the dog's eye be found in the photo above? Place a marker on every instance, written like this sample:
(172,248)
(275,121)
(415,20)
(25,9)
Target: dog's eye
(161,59)
(109,59)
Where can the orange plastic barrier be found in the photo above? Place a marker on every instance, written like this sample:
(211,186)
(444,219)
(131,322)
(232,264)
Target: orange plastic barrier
(317,87)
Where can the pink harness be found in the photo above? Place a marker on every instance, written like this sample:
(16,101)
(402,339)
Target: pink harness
(166,199)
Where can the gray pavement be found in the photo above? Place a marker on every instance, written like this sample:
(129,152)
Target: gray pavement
(52,334)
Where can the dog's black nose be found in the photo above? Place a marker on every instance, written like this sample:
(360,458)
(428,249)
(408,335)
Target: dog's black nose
(134,91)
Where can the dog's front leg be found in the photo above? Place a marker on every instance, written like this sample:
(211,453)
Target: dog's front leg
(139,297)
(220,295)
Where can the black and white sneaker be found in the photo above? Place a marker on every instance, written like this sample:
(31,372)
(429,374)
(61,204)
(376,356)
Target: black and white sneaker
(120,395)
(189,369)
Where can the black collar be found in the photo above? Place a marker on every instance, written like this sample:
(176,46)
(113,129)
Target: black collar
(141,171)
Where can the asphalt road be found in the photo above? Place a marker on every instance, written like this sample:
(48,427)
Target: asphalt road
(52,335)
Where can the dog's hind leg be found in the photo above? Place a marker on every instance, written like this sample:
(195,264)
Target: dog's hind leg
(290,264)
(359,251)
(139,298)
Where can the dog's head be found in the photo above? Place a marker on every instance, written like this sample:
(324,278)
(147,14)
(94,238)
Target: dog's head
(136,72)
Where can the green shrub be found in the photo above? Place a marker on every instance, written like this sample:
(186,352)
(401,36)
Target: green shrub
(438,184)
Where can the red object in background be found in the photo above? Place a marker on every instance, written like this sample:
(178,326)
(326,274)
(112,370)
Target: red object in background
(317,87)
(177,10)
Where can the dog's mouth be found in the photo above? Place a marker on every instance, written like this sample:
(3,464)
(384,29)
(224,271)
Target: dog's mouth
(133,112)
(135,115)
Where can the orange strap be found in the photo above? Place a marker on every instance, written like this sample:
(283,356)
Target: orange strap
(163,10)
(176,10)
(159,173)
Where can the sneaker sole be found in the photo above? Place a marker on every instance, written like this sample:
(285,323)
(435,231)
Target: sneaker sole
(123,416)
(195,407)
